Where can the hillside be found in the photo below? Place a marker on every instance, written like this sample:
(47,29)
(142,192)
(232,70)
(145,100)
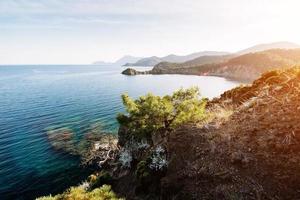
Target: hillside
(245,67)
(165,67)
(251,66)
(268,46)
(151,61)
(248,150)
(252,154)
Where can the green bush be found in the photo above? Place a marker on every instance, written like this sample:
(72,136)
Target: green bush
(151,113)
(79,193)
(100,179)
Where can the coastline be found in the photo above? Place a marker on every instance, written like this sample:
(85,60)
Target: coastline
(133,72)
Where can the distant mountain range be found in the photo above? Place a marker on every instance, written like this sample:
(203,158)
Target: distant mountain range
(151,61)
(245,65)
(154,60)
(119,62)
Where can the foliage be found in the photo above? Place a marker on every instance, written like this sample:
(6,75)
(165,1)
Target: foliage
(151,113)
(99,179)
(50,197)
(142,170)
(78,193)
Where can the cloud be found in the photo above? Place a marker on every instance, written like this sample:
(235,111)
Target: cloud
(68,13)
(111,28)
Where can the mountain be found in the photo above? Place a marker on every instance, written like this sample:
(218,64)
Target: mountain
(246,67)
(202,60)
(263,47)
(151,61)
(250,66)
(127,59)
(181,59)
(119,62)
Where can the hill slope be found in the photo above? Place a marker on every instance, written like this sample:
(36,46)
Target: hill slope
(254,154)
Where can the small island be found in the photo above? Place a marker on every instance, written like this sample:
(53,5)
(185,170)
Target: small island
(132,72)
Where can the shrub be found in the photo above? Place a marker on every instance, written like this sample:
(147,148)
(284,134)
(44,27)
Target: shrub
(50,197)
(99,179)
(150,113)
(79,193)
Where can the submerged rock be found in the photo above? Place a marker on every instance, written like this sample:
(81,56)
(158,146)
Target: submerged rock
(62,139)
(95,147)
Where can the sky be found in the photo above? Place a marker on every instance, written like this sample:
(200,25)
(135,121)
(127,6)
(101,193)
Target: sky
(84,31)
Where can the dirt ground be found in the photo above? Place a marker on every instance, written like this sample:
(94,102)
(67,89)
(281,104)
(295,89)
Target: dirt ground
(254,154)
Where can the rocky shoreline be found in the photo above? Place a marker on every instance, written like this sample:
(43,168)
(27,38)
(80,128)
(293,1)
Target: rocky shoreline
(133,72)
(247,148)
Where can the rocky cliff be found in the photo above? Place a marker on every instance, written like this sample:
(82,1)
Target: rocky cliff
(247,149)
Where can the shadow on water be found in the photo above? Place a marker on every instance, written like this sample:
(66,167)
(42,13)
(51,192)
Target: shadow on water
(33,184)
(23,182)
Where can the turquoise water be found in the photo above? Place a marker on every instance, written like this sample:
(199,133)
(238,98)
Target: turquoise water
(34,99)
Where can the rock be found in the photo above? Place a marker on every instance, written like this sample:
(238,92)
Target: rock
(123,136)
(100,151)
(132,72)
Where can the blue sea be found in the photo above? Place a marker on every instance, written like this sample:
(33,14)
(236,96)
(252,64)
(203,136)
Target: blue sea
(35,99)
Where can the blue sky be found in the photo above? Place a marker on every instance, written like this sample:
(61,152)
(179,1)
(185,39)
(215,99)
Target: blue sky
(82,31)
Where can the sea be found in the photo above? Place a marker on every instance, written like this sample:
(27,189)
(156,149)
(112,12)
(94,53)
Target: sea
(37,98)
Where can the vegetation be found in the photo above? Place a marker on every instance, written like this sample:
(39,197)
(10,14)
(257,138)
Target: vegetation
(142,170)
(80,193)
(149,114)
(98,179)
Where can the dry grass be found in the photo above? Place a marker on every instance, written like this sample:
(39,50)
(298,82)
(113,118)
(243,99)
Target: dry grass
(218,115)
